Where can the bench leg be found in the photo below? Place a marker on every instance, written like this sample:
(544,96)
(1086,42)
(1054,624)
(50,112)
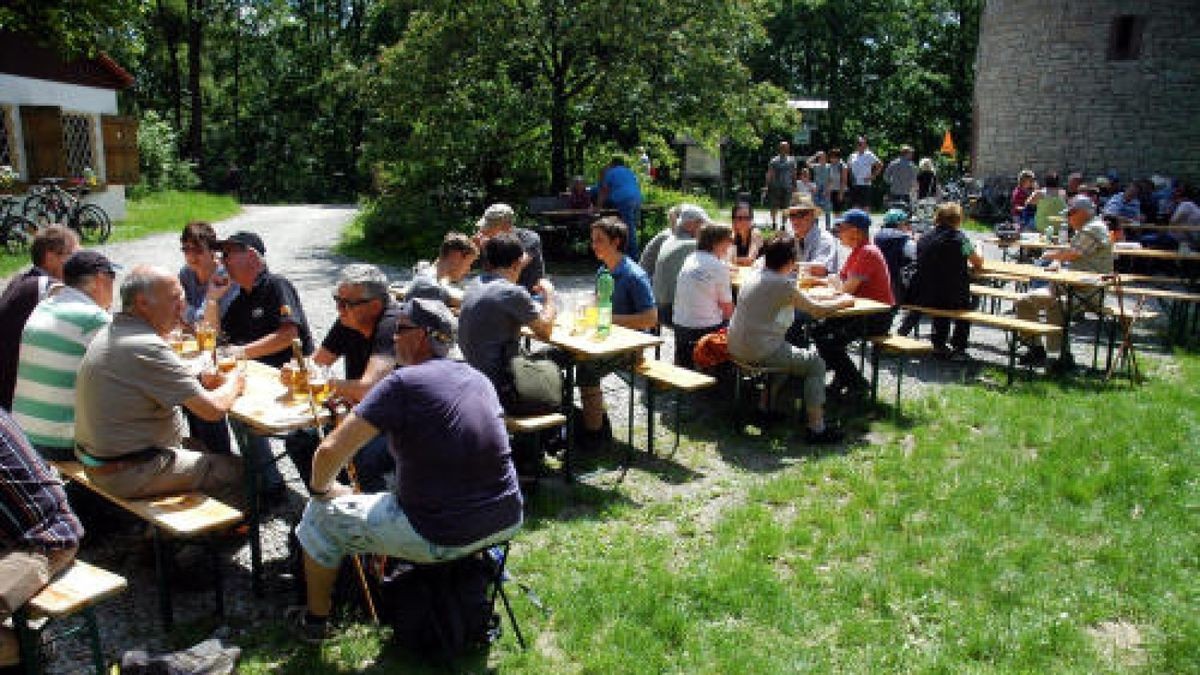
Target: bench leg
(650,417)
(218,581)
(1012,355)
(30,642)
(737,399)
(678,423)
(162,571)
(899,381)
(254,514)
(569,411)
(89,618)
(874,376)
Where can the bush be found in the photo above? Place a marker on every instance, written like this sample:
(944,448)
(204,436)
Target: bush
(405,228)
(161,167)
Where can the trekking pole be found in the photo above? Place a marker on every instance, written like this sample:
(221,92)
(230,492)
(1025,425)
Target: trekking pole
(316,416)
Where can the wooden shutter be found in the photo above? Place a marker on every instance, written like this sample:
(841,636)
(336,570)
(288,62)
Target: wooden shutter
(120,149)
(45,156)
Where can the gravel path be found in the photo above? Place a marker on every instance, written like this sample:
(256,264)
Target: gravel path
(299,240)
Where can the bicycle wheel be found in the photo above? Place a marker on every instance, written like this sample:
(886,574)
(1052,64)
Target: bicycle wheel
(92,223)
(37,209)
(18,233)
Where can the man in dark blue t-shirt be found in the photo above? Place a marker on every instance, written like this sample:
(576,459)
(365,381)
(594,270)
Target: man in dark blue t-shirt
(456,486)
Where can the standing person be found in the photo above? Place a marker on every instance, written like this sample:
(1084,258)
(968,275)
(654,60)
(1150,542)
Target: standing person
(822,173)
(901,177)
(747,239)
(674,251)
(200,270)
(456,487)
(781,180)
(39,533)
(1049,200)
(131,385)
(766,305)
(839,182)
(619,188)
(262,321)
(865,274)
(945,258)
(51,248)
(52,346)
(499,219)
(703,291)
(927,183)
(864,168)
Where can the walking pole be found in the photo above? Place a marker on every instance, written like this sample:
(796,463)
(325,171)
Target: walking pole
(316,416)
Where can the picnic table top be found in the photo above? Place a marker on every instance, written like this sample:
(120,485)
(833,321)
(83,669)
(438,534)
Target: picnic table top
(267,408)
(585,346)
(1062,276)
(1128,251)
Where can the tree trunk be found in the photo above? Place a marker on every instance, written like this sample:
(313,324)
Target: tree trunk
(171,37)
(195,43)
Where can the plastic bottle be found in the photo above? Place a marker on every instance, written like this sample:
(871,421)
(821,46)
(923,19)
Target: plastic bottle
(1064,233)
(604,291)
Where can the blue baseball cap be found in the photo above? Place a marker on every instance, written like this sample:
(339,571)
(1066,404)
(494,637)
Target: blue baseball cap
(857,218)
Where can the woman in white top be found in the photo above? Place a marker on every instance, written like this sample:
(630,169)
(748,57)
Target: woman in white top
(805,184)
(703,291)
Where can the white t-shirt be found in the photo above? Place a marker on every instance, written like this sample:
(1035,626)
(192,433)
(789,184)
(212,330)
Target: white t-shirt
(1187,213)
(860,166)
(703,283)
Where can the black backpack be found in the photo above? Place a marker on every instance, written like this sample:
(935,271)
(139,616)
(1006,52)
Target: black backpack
(441,610)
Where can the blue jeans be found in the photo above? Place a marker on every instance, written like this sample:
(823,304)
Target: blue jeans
(631,213)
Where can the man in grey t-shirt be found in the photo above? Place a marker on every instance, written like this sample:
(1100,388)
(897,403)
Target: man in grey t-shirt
(781,181)
(675,249)
(900,176)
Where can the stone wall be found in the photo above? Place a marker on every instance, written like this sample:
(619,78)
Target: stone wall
(1047,96)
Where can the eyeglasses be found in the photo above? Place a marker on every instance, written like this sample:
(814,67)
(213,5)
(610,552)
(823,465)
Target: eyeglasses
(344,303)
(191,249)
(403,328)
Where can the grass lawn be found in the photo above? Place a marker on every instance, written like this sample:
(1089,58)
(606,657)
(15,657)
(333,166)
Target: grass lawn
(1052,527)
(158,212)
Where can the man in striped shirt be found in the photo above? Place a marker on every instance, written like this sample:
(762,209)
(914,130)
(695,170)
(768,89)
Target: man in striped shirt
(52,346)
(39,533)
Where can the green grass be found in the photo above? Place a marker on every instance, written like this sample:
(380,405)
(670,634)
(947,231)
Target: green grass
(158,212)
(1012,530)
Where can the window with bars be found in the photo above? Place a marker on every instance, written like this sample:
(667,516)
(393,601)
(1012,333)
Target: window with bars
(78,143)
(7,156)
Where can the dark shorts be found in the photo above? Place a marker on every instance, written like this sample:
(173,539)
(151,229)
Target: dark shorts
(778,197)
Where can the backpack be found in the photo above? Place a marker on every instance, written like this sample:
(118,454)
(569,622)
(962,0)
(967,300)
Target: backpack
(445,609)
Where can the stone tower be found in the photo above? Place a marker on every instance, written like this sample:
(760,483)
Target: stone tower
(1090,86)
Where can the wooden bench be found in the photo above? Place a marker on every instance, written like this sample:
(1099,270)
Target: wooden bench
(1153,279)
(754,375)
(188,515)
(531,427)
(663,376)
(1013,327)
(77,589)
(996,294)
(902,348)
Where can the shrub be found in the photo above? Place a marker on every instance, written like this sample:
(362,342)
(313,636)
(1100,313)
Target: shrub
(161,167)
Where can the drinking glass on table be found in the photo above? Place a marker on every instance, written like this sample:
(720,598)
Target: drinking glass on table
(206,336)
(318,383)
(227,358)
(176,340)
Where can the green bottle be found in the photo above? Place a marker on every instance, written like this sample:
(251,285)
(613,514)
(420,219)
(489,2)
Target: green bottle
(604,291)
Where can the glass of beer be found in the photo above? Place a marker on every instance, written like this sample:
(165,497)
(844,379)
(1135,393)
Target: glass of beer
(175,339)
(206,336)
(226,359)
(318,383)
(299,385)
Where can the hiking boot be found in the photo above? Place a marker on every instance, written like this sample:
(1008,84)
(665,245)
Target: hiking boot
(308,632)
(1036,356)
(826,436)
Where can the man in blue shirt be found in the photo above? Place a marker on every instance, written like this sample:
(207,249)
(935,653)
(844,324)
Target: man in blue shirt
(619,189)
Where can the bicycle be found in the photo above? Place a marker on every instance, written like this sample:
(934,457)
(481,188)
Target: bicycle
(50,203)
(16,231)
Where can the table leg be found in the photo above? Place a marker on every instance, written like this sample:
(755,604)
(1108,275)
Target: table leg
(650,417)
(632,390)
(569,411)
(254,517)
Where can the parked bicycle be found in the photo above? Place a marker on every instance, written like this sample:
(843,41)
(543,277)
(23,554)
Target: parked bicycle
(16,231)
(49,202)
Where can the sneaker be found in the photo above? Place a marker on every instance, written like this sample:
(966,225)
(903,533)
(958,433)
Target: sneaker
(823,437)
(299,626)
(1036,356)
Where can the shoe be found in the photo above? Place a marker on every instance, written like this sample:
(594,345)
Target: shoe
(942,352)
(1036,356)
(299,626)
(960,356)
(1061,365)
(824,437)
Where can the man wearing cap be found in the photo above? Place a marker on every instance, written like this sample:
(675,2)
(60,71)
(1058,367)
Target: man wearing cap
(864,275)
(498,219)
(864,167)
(896,242)
(130,389)
(263,320)
(362,336)
(456,489)
(1090,251)
(619,189)
(901,176)
(51,247)
(815,247)
(52,346)
(781,181)
(674,251)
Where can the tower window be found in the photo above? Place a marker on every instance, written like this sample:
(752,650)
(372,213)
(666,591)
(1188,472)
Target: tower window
(1125,37)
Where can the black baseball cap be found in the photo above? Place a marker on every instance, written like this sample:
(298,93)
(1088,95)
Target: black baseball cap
(245,240)
(86,263)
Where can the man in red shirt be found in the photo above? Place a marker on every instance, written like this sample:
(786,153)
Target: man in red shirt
(865,275)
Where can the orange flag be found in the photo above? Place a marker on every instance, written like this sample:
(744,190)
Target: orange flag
(948,145)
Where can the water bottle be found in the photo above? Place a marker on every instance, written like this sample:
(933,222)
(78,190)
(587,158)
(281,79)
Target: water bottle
(1064,234)
(604,291)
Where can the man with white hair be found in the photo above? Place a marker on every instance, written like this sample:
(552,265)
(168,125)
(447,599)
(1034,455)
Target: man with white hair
(674,251)
(498,219)
(1090,251)
(456,489)
(130,388)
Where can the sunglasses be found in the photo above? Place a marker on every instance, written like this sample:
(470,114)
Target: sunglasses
(344,303)
(401,329)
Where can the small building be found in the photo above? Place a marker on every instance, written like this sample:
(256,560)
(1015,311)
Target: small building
(58,119)
(1088,86)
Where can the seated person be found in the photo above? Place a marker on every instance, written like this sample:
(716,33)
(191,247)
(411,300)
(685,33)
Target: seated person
(456,489)
(649,257)
(865,274)
(494,310)
(1090,251)
(767,304)
(579,197)
(1048,200)
(895,240)
(674,250)
(703,292)
(1022,211)
(363,337)
(943,279)
(814,246)
(498,219)
(747,239)
(130,387)
(442,279)
(39,534)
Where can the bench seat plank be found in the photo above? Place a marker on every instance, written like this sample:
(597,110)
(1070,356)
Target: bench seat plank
(901,344)
(527,425)
(79,586)
(990,320)
(669,375)
(185,515)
